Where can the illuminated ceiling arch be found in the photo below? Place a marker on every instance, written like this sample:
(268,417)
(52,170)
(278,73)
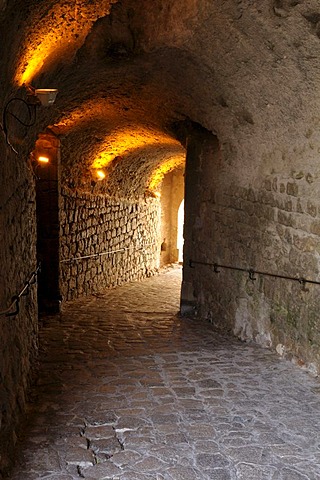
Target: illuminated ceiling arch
(165,167)
(140,171)
(124,151)
(129,140)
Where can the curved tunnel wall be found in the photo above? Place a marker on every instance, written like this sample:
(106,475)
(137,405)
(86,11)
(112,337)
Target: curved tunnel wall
(19,333)
(119,239)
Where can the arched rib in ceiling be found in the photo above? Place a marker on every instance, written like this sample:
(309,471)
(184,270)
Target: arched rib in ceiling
(122,129)
(133,155)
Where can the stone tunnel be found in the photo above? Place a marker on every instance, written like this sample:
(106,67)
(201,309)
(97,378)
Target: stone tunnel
(212,102)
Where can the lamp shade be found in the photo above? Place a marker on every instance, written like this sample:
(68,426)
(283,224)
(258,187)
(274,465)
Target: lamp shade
(46,96)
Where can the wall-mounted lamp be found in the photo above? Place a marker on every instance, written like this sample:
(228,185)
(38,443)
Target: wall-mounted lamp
(47,96)
(43,159)
(36,97)
(101,175)
(97,175)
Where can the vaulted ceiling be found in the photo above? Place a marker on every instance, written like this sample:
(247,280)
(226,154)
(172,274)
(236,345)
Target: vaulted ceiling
(129,71)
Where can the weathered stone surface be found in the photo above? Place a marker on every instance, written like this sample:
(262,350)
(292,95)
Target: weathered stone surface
(18,334)
(80,457)
(96,433)
(263,308)
(130,257)
(107,446)
(266,424)
(104,419)
(214,460)
(102,471)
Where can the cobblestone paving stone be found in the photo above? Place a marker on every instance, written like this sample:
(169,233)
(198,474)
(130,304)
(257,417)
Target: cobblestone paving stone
(128,390)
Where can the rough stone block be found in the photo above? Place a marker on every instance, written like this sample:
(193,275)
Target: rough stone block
(292,189)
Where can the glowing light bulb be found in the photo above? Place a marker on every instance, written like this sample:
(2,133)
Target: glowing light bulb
(101,174)
(43,159)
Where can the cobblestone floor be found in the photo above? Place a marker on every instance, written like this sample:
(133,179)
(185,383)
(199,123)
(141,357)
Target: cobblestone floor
(128,390)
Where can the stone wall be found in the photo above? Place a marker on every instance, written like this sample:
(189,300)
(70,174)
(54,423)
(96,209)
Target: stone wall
(18,334)
(271,226)
(93,225)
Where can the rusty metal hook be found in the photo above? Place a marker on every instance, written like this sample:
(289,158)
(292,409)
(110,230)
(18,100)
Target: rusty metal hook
(251,275)
(303,283)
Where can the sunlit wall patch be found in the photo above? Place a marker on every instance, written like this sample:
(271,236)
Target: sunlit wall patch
(165,167)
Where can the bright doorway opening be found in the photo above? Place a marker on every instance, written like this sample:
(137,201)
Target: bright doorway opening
(180,239)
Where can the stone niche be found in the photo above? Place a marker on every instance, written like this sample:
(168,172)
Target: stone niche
(118,240)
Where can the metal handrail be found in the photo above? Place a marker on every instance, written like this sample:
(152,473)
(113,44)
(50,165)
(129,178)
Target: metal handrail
(109,252)
(252,272)
(15,303)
